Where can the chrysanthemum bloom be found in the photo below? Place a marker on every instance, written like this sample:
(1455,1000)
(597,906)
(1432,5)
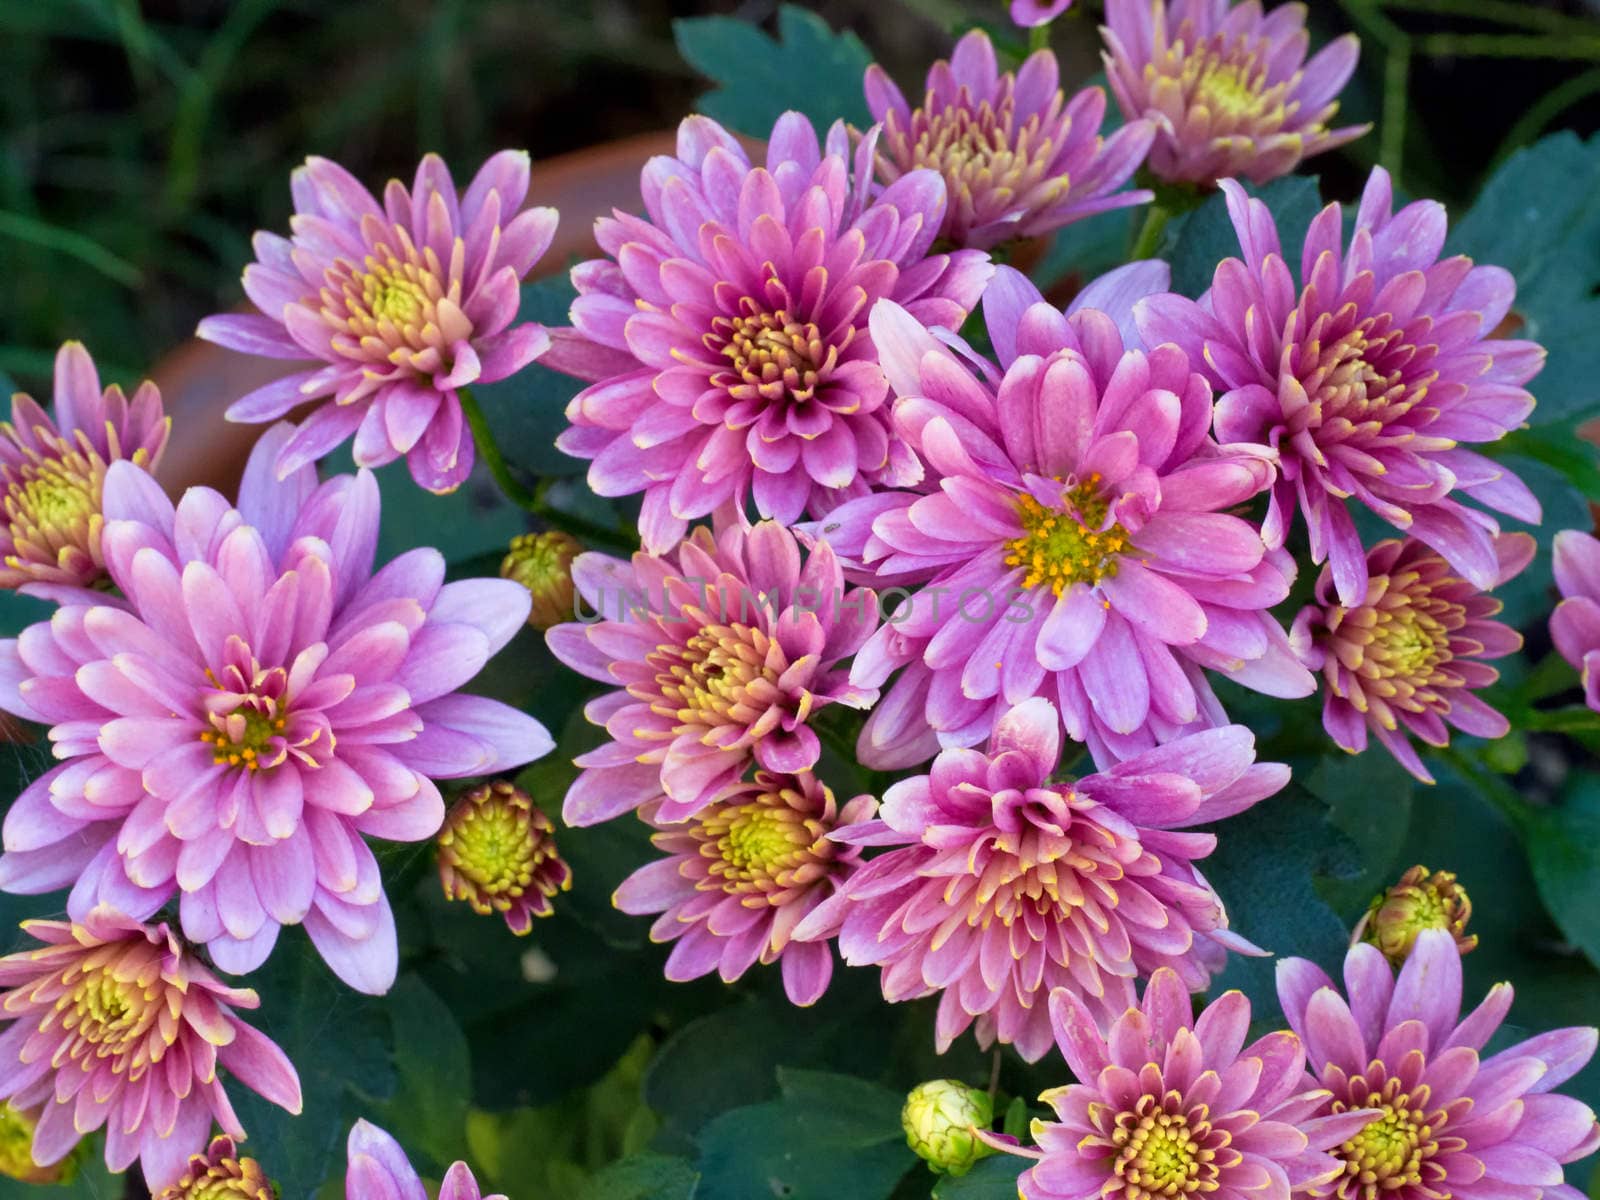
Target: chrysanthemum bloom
(1367,381)
(1408,659)
(1006,883)
(1450,1122)
(1018,159)
(1229,87)
(1076,545)
(221,1173)
(728,341)
(52,471)
(379,1170)
(1031,13)
(542,563)
(498,853)
(942,1118)
(114,1023)
(720,653)
(405,302)
(742,873)
(1420,900)
(260,702)
(1575,624)
(1168,1105)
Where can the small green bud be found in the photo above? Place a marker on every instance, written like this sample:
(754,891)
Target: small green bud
(1419,901)
(941,1120)
(542,563)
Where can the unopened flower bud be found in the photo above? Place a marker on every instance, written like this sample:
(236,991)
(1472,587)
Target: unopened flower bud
(942,1118)
(16,1151)
(498,853)
(220,1174)
(1419,901)
(542,563)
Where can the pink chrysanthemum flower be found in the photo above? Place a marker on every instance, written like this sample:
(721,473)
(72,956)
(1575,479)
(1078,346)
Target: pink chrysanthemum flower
(1451,1123)
(1575,624)
(1075,546)
(1018,159)
(1006,883)
(1171,1106)
(52,471)
(1228,86)
(1032,13)
(114,1023)
(742,873)
(379,1170)
(720,652)
(728,340)
(1366,381)
(405,302)
(259,702)
(1408,659)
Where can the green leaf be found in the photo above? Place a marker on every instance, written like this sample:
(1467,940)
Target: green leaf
(827,1136)
(1564,852)
(808,68)
(1197,242)
(1539,218)
(1369,800)
(339,1043)
(527,411)
(992,1179)
(642,1177)
(429,1113)
(1266,867)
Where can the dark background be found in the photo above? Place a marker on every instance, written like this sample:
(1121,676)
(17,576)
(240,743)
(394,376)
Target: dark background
(141,143)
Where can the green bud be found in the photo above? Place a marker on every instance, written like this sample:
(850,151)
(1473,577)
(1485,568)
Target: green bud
(1419,901)
(941,1119)
(542,563)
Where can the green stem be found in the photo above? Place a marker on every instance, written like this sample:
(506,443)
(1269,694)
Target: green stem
(522,497)
(1575,719)
(1155,224)
(1039,38)
(1504,45)
(1503,12)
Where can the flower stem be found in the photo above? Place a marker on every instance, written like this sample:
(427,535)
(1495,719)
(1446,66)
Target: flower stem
(1155,224)
(531,501)
(1039,38)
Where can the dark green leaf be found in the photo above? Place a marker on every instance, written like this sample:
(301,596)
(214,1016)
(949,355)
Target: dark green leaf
(1266,868)
(808,68)
(1564,851)
(826,1137)
(1539,218)
(992,1179)
(528,411)
(642,1177)
(1196,243)
(1369,801)
(429,1113)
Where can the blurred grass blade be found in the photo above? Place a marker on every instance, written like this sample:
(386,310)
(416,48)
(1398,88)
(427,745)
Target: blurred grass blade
(64,241)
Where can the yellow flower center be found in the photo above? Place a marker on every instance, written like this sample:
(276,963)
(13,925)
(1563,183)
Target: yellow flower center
(772,354)
(760,839)
(1394,1150)
(708,680)
(226,1178)
(1066,545)
(1229,91)
(55,497)
(241,738)
(1408,641)
(492,844)
(1229,80)
(394,297)
(109,1014)
(1158,1154)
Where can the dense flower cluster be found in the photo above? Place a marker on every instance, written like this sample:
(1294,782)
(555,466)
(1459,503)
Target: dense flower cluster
(1068,526)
